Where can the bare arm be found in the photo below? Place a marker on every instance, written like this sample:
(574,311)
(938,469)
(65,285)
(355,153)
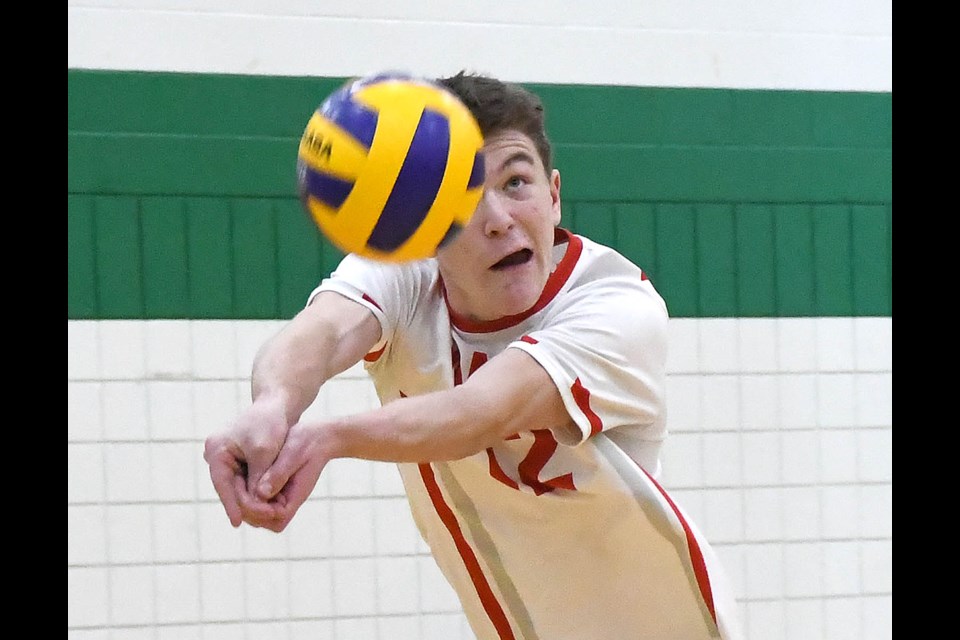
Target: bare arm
(327,337)
(509,394)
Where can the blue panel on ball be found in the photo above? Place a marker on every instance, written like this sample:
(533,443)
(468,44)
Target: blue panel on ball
(452,232)
(351,116)
(327,189)
(477,173)
(416,185)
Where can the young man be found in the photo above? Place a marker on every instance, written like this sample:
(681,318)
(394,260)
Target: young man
(522,377)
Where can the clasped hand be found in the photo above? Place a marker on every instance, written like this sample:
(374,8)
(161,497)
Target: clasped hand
(262,469)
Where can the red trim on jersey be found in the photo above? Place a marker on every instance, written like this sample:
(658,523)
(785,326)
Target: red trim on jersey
(544,445)
(696,555)
(487,598)
(528,339)
(497,471)
(372,301)
(554,283)
(455,357)
(478,360)
(582,397)
(373,357)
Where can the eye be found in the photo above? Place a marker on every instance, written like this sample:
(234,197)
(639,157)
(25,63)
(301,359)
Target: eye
(515,182)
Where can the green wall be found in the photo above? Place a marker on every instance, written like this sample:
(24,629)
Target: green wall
(739,203)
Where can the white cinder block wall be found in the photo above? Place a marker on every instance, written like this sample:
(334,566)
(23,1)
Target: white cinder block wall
(781,444)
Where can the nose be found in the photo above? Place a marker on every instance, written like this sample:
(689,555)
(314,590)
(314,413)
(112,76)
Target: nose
(495,215)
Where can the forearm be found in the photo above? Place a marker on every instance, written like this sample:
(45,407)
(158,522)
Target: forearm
(321,341)
(508,395)
(511,393)
(432,427)
(285,372)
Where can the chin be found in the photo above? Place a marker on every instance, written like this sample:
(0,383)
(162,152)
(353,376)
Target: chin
(517,300)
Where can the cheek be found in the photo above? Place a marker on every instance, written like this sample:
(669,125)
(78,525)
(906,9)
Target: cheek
(464,238)
(542,220)
(455,255)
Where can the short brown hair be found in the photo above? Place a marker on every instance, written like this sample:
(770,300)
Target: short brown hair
(499,106)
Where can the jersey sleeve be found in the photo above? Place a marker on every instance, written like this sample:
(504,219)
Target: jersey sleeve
(382,288)
(604,347)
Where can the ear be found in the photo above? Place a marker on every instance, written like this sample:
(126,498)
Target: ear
(555,196)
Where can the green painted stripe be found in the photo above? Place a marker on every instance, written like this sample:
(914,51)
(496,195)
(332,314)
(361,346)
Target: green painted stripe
(716,260)
(692,117)
(757,292)
(136,164)
(82,299)
(872,260)
(209,265)
(271,106)
(181,195)
(187,104)
(119,256)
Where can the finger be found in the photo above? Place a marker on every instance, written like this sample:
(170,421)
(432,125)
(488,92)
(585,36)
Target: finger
(293,495)
(258,461)
(298,488)
(271,522)
(295,492)
(276,477)
(262,451)
(223,474)
(255,510)
(277,525)
(275,522)
(253,481)
(254,487)
(282,515)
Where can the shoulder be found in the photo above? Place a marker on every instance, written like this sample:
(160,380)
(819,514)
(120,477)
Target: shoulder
(600,260)
(383,283)
(609,279)
(352,264)
(365,272)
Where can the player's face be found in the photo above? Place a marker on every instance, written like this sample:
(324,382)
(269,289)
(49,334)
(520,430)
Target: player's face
(498,265)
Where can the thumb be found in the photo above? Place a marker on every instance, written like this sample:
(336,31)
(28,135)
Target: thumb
(273,479)
(269,485)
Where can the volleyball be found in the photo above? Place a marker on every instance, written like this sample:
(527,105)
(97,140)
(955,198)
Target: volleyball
(390,167)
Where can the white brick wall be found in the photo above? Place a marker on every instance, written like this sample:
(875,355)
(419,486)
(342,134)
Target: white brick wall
(780,449)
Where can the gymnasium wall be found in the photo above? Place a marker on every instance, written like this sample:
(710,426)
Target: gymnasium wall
(741,153)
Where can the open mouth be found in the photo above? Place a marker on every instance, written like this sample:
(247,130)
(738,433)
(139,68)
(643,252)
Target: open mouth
(515,258)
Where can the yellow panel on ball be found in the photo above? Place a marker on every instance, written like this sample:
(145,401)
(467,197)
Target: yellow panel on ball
(391,166)
(318,141)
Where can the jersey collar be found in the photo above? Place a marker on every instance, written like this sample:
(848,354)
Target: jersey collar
(555,282)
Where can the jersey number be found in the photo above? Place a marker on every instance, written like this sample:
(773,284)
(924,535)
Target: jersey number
(544,446)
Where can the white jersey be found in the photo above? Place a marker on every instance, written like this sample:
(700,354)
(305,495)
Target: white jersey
(545,537)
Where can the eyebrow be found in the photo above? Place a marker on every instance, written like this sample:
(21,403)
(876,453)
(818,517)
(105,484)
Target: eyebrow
(519,156)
